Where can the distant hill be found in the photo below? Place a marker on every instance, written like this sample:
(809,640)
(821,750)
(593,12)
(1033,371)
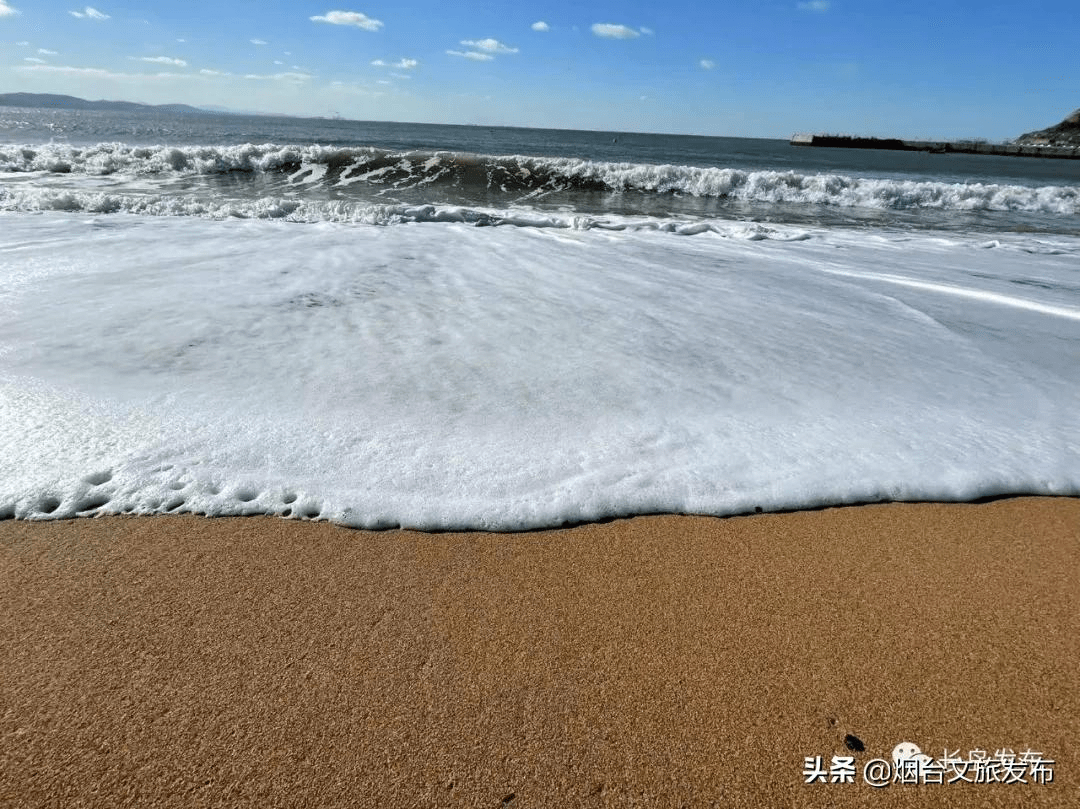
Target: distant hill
(51,101)
(1067,133)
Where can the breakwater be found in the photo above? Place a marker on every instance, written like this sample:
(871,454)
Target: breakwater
(938,147)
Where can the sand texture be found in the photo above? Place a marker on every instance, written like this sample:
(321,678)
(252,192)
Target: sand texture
(657,661)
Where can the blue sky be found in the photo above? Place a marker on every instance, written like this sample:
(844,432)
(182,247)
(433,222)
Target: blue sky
(755,69)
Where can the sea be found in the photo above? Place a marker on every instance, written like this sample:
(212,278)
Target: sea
(460,327)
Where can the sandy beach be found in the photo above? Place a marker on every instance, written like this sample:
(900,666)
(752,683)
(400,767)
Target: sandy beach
(655,661)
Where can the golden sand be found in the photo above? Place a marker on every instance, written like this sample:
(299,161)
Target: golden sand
(657,661)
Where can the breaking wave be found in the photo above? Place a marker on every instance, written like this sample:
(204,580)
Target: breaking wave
(312,211)
(378,171)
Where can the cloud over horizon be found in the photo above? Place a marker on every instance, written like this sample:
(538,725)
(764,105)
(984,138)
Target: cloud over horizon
(89,13)
(354,18)
(161,60)
(488,45)
(293,77)
(476,56)
(612,31)
(402,64)
(98,73)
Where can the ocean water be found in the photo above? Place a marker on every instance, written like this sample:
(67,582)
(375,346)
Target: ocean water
(469,327)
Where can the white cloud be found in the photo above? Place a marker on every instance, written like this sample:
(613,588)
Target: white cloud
(161,60)
(474,55)
(707,64)
(33,59)
(7,11)
(349,18)
(181,40)
(541,26)
(647,31)
(79,71)
(22,44)
(401,64)
(258,42)
(206,72)
(46,52)
(280,76)
(89,13)
(488,45)
(605,29)
(98,73)
(819,6)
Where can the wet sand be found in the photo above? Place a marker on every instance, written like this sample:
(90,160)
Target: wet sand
(656,661)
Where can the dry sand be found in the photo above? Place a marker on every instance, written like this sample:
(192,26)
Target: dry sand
(658,661)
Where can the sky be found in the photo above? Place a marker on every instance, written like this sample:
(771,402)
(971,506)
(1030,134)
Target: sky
(910,69)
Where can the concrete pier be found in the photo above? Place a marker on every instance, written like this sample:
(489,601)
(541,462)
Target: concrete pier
(937,147)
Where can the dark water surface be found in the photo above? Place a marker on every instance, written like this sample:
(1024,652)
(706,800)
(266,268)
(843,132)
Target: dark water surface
(361,163)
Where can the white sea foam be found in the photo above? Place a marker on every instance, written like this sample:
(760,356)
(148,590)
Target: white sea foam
(453,376)
(37,199)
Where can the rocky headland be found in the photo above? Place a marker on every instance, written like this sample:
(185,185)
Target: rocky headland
(1067,133)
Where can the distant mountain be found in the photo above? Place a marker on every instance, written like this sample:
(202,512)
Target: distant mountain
(1067,133)
(72,103)
(233,111)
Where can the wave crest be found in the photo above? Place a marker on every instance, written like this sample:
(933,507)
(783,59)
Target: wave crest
(341,211)
(528,177)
